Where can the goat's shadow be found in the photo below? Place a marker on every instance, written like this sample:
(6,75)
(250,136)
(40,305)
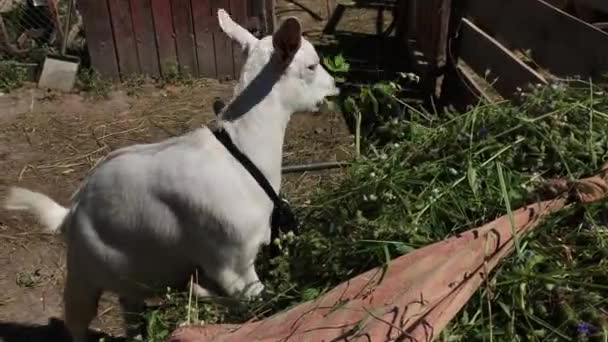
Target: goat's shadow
(54,331)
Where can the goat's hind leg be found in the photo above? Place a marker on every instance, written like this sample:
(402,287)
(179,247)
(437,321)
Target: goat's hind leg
(132,310)
(202,286)
(80,305)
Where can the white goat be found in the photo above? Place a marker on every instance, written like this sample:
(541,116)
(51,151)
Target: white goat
(150,214)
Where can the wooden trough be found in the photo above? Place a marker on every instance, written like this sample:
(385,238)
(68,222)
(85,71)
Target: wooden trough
(162,37)
(489,49)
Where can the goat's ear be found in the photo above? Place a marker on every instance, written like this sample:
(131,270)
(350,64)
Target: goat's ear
(235,31)
(288,38)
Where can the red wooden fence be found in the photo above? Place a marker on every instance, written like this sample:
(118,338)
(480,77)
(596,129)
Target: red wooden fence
(159,37)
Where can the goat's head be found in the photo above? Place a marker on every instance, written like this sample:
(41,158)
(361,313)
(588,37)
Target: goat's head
(302,83)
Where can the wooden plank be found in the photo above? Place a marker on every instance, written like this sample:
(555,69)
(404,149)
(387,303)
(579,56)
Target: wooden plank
(124,39)
(563,44)
(184,37)
(98,32)
(165,37)
(489,58)
(204,24)
(143,26)
(239,13)
(460,89)
(476,85)
(223,45)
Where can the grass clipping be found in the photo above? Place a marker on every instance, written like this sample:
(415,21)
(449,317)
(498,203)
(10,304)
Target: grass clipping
(446,174)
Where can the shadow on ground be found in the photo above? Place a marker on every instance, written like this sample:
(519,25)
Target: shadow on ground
(54,331)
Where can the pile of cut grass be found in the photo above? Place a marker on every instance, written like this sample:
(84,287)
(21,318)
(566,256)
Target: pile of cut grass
(449,173)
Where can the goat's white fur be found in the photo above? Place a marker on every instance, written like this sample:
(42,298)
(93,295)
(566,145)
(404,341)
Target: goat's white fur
(49,213)
(148,215)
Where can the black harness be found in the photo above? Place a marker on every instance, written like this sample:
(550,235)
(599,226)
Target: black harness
(282,218)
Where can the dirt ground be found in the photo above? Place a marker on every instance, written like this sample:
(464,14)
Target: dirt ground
(49,141)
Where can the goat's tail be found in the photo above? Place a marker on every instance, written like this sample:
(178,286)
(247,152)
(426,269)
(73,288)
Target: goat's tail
(50,214)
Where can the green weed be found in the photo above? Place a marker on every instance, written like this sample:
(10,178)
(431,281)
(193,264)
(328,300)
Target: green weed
(12,76)
(93,84)
(443,173)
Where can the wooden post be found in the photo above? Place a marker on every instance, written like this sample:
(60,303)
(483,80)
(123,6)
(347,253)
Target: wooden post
(264,11)
(271,18)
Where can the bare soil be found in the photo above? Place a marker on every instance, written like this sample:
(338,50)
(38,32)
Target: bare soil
(49,141)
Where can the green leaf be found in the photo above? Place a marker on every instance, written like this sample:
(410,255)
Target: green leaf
(505,308)
(403,248)
(350,105)
(472,177)
(340,61)
(310,294)
(375,104)
(336,65)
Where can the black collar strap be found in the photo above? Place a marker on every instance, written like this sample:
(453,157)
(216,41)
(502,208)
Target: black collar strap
(282,218)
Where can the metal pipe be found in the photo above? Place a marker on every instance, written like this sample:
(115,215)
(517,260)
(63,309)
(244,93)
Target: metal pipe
(314,167)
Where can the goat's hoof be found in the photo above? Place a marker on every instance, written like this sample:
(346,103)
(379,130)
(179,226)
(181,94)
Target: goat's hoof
(254,290)
(201,292)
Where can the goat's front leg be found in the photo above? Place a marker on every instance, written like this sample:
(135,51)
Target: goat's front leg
(237,276)
(202,292)
(239,282)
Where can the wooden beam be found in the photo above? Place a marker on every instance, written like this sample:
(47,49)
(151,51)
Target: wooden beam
(561,43)
(489,59)
(334,19)
(271,18)
(331,6)
(264,11)
(598,5)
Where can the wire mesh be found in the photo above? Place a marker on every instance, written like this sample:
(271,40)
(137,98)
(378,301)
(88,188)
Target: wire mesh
(30,29)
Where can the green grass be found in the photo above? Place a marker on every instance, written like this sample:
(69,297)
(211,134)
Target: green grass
(447,173)
(96,86)
(93,84)
(12,75)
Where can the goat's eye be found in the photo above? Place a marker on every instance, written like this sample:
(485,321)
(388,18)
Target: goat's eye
(312,67)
